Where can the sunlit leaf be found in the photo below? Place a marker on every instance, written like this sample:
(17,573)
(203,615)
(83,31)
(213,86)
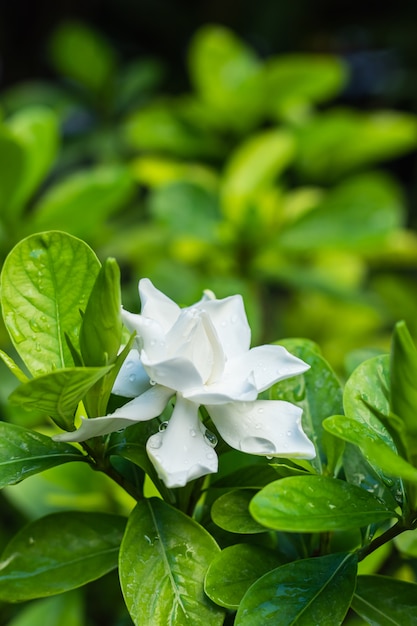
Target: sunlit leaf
(66,608)
(38,306)
(305,592)
(59,552)
(58,393)
(87,197)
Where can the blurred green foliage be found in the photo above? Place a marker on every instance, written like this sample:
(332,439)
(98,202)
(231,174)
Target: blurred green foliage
(257,180)
(253,181)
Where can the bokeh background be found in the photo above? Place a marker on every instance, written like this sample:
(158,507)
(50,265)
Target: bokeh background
(266,148)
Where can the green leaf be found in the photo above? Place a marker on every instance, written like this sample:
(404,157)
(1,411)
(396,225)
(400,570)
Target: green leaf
(296,81)
(58,393)
(360,212)
(164,558)
(13,367)
(101,327)
(252,167)
(66,608)
(371,445)
(384,601)
(227,76)
(316,504)
(80,53)
(234,570)
(84,199)
(12,164)
(305,592)
(38,307)
(59,552)
(336,142)
(318,392)
(25,452)
(36,130)
(231,512)
(403,367)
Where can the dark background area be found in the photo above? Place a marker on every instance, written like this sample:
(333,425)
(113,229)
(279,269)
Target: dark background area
(377,38)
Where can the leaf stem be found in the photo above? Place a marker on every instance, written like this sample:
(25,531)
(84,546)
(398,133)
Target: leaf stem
(388,535)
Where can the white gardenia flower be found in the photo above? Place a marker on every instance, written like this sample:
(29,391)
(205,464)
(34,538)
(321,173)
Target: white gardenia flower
(201,355)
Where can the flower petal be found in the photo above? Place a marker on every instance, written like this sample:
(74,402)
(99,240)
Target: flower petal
(150,334)
(229,319)
(269,364)
(132,380)
(177,373)
(181,452)
(157,306)
(227,390)
(146,406)
(264,428)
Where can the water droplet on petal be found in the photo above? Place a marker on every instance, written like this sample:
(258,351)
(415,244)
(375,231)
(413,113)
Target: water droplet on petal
(233,319)
(129,365)
(258,426)
(155,442)
(153,342)
(210,438)
(193,433)
(223,323)
(132,378)
(163,426)
(152,382)
(260,410)
(210,455)
(289,433)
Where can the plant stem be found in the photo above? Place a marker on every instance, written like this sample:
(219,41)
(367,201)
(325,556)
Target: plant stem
(389,534)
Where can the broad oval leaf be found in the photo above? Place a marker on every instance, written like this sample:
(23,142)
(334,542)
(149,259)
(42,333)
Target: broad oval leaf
(403,393)
(235,569)
(36,129)
(231,512)
(305,592)
(384,601)
(339,141)
(25,452)
(58,393)
(318,392)
(66,608)
(77,203)
(164,558)
(252,167)
(358,213)
(316,504)
(38,307)
(227,76)
(59,552)
(296,81)
(12,164)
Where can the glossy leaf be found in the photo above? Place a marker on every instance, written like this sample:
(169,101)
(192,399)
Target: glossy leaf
(59,552)
(58,393)
(164,558)
(231,512)
(318,392)
(25,452)
(101,328)
(253,167)
(296,81)
(36,130)
(316,504)
(227,76)
(305,592)
(384,601)
(371,445)
(78,202)
(234,570)
(38,307)
(403,366)
(359,212)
